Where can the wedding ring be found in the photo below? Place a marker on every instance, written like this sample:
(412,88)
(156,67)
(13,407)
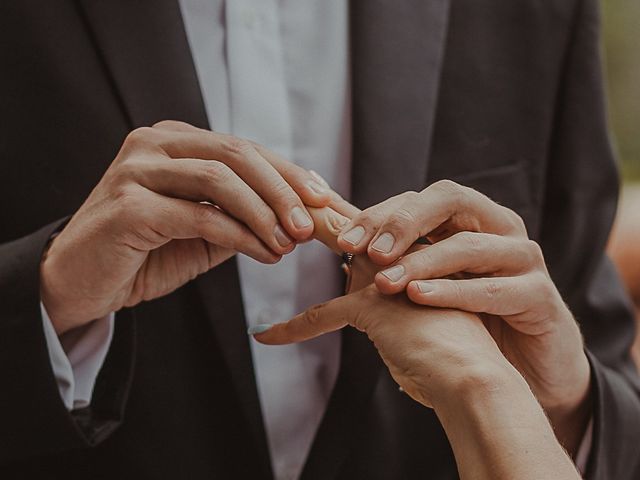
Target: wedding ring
(347,261)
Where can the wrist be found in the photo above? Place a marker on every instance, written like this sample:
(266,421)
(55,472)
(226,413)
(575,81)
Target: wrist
(498,430)
(63,311)
(477,383)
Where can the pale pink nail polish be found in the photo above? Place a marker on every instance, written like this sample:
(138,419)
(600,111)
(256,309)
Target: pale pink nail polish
(424,287)
(384,243)
(355,235)
(283,239)
(394,273)
(299,218)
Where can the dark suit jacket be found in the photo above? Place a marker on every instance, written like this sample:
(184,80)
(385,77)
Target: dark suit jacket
(504,96)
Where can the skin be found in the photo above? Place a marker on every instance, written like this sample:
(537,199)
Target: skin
(145,229)
(482,261)
(444,359)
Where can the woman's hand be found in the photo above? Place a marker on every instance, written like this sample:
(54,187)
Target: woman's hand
(445,359)
(499,273)
(426,350)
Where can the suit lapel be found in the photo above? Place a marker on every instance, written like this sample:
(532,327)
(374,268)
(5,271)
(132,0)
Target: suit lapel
(397,50)
(146,54)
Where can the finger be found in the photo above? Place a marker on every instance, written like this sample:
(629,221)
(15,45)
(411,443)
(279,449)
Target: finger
(310,186)
(212,181)
(468,252)
(502,296)
(160,219)
(343,207)
(243,158)
(462,208)
(327,226)
(317,320)
(357,234)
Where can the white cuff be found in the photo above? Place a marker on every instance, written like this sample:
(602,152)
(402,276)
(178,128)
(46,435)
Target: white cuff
(582,457)
(77,357)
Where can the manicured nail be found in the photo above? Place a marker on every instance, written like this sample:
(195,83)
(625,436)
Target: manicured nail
(424,287)
(320,180)
(299,218)
(394,273)
(384,243)
(354,235)
(260,328)
(283,239)
(315,187)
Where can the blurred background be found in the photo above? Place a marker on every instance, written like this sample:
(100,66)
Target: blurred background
(622,61)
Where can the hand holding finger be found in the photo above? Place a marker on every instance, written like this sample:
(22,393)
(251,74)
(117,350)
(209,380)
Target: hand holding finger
(465,252)
(390,228)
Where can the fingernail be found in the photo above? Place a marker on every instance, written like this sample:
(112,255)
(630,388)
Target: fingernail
(299,218)
(315,187)
(282,238)
(354,235)
(384,243)
(320,180)
(260,328)
(394,273)
(424,287)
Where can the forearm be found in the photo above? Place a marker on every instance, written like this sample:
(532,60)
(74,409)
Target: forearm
(498,430)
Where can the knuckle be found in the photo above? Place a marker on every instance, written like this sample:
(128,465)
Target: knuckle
(492,290)
(423,262)
(172,125)
(283,192)
(216,173)
(455,194)
(402,219)
(410,196)
(535,252)
(121,174)
(516,221)
(369,218)
(470,240)
(543,284)
(165,124)
(458,292)
(312,316)
(140,136)
(447,187)
(237,147)
(128,203)
(204,214)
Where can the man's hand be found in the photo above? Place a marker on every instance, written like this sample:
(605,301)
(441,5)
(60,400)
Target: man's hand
(499,273)
(175,202)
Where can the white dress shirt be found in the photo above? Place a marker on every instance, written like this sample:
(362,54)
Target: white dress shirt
(277,72)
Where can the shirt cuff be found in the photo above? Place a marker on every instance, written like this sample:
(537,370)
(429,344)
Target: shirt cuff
(77,357)
(584,451)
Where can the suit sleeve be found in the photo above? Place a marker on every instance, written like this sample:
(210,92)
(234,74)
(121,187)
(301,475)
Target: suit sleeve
(33,416)
(579,208)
